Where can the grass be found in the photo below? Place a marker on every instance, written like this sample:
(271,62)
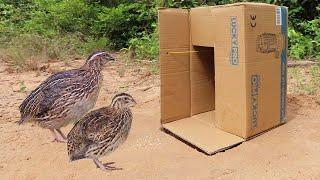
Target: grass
(22,87)
(129,57)
(304,80)
(28,51)
(154,68)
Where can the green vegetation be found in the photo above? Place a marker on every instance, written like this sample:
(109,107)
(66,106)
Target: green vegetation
(145,47)
(33,31)
(124,22)
(22,87)
(304,80)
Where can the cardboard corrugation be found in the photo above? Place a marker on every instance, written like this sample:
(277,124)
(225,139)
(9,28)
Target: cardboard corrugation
(229,72)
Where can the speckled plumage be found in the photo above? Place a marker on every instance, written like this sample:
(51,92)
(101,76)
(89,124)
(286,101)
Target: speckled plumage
(66,96)
(101,131)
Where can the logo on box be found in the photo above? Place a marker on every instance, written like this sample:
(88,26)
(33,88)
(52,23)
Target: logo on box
(268,43)
(255,85)
(234,58)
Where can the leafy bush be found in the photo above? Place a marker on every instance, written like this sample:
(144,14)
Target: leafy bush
(299,45)
(15,12)
(146,47)
(310,40)
(183,4)
(124,22)
(61,17)
(94,44)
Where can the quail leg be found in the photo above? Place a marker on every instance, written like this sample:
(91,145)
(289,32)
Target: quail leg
(62,135)
(106,166)
(57,138)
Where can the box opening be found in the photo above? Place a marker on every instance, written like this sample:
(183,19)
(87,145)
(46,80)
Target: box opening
(199,128)
(202,79)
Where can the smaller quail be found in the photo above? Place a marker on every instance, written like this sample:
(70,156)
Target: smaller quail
(101,131)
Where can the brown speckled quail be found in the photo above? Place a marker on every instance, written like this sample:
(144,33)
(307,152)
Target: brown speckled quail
(65,97)
(101,131)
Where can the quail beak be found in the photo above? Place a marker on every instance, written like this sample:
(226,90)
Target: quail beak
(133,103)
(111,59)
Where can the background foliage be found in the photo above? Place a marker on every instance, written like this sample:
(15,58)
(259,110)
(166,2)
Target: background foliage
(65,29)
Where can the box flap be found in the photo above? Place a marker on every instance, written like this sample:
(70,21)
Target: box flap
(202,133)
(174,36)
(237,4)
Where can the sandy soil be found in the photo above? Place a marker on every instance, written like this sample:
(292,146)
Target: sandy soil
(26,152)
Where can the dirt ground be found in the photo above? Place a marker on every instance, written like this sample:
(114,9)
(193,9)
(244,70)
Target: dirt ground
(26,152)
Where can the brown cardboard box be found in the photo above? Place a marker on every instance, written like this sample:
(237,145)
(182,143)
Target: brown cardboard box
(223,72)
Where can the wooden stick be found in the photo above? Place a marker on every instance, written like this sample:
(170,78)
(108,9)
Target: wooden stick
(301,63)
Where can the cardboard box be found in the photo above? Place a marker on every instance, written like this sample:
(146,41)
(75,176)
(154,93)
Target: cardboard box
(223,72)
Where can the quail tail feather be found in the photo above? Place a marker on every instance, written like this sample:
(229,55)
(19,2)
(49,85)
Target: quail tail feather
(23,120)
(74,157)
(76,147)
(76,154)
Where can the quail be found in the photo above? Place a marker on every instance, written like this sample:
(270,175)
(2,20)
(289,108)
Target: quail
(101,131)
(66,96)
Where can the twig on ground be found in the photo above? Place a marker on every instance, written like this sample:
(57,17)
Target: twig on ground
(301,63)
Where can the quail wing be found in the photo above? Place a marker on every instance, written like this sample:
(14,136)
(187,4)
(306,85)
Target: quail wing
(57,86)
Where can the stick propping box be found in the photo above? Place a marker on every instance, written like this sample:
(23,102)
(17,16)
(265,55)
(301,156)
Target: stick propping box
(223,72)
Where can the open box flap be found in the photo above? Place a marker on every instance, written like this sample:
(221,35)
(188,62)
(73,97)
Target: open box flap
(198,131)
